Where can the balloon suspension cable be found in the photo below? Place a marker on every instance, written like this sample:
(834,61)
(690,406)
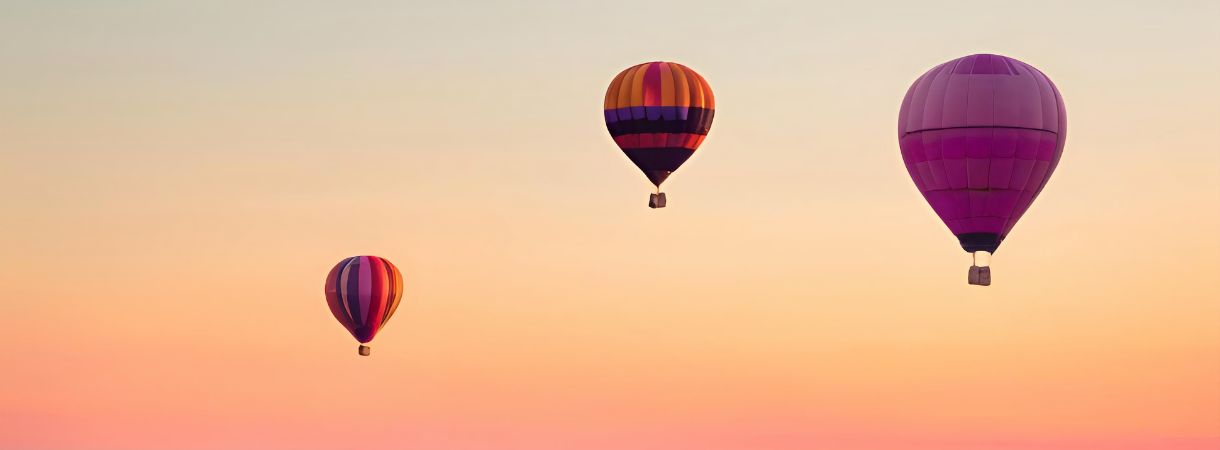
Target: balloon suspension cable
(982,258)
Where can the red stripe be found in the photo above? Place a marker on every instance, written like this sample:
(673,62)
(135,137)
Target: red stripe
(674,139)
(627,140)
(692,141)
(646,140)
(652,85)
(654,140)
(378,296)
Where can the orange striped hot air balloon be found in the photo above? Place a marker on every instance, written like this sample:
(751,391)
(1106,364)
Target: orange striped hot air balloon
(658,113)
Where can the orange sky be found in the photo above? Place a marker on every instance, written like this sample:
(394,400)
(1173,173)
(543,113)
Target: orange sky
(182,176)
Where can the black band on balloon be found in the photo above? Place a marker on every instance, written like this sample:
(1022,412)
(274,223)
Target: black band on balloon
(979,242)
(698,121)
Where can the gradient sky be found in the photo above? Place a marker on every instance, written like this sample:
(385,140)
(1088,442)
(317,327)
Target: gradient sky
(181,176)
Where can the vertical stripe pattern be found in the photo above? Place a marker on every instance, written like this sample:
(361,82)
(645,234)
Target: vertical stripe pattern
(658,113)
(363,292)
(980,137)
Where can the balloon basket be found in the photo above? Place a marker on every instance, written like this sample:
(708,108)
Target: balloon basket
(656,200)
(980,276)
(363,350)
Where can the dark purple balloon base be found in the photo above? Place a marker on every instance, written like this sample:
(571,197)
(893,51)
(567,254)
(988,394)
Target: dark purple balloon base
(979,242)
(659,163)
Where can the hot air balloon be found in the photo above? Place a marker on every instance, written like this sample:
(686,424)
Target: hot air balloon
(659,113)
(980,136)
(363,292)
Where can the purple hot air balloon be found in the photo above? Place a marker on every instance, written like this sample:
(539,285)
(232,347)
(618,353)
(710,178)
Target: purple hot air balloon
(980,136)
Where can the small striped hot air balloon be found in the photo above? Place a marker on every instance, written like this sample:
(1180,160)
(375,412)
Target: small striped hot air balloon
(658,113)
(363,292)
(980,136)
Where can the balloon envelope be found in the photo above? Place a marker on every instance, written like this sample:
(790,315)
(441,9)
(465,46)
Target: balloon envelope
(363,292)
(658,113)
(980,136)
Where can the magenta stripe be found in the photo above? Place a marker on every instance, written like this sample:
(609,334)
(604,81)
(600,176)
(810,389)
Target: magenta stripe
(365,290)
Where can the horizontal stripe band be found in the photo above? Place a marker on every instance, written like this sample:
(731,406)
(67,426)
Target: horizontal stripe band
(659,140)
(698,121)
(965,127)
(652,113)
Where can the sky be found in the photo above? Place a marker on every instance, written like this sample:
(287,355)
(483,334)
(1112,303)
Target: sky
(182,175)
